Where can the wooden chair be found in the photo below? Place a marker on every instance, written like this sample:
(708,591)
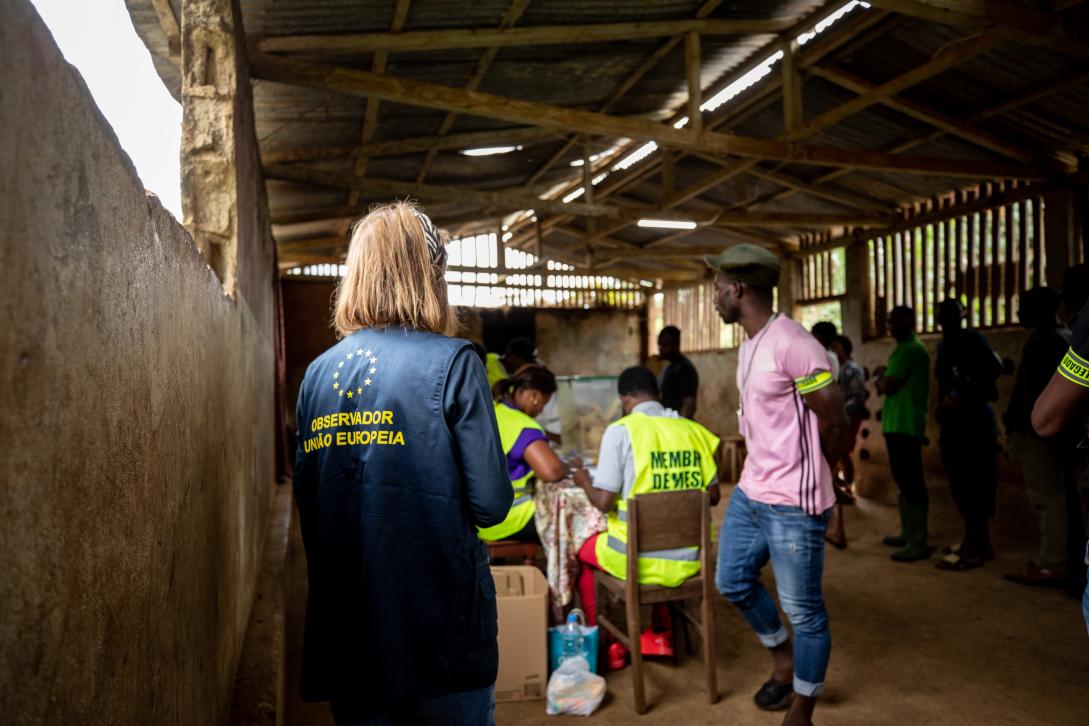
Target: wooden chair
(510,549)
(733,456)
(662,521)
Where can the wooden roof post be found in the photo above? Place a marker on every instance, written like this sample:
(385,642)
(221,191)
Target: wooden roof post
(792,89)
(692,70)
(855,306)
(1060,232)
(789,275)
(669,175)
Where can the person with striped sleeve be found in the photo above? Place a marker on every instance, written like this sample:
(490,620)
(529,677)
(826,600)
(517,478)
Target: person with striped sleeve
(795,427)
(1065,401)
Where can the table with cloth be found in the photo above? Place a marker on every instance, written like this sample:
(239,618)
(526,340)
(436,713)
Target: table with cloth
(565,519)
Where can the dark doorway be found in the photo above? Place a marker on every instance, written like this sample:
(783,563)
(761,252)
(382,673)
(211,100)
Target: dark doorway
(500,326)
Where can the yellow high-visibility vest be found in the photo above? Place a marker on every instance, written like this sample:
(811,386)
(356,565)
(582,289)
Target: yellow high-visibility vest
(512,423)
(670,454)
(494,367)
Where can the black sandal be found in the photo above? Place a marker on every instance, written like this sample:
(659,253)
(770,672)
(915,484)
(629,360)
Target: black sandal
(774,696)
(959,562)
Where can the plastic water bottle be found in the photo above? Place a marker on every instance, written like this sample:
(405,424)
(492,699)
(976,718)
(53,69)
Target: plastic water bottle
(572,637)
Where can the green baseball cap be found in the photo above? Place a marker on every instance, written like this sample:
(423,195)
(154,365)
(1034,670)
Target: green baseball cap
(751,264)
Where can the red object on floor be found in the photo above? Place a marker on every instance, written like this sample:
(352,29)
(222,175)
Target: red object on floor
(652,642)
(585,583)
(618,656)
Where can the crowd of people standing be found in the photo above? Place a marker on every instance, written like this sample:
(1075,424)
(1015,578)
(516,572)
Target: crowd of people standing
(394,522)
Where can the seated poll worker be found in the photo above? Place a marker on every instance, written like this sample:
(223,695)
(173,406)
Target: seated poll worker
(1065,401)
(398,463)
(650,449)
(525,443)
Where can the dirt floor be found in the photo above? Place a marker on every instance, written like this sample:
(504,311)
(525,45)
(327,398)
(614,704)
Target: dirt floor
(911,645)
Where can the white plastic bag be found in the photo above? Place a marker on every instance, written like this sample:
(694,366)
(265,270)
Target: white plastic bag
(573,689)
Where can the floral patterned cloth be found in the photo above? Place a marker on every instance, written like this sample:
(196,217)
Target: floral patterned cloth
(565,519)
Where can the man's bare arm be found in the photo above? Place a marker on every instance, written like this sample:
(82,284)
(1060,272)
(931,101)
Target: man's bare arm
(1057,406)
(827,403)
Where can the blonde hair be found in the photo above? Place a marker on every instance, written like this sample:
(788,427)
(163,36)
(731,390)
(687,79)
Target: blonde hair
(391,278)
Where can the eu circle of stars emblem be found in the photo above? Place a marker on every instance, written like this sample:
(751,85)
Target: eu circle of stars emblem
(355,374)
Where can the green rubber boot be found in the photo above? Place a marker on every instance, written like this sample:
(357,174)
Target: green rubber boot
(899,540)
(915,529)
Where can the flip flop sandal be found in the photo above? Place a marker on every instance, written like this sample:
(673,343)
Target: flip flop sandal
(774,696)
(958,563)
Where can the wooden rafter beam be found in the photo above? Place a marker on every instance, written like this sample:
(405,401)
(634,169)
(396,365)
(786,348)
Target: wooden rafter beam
(945,59)
(939,63)
(1015,21)
(519,199)
(955,127)
(292,247)
(854,31)
(507,200)
(513,14)
(751,62)
(345,216)
(419,93)
(844,197)
(963,207)
(621,91)
(799,219)
(370,111)
(1057,86)
(397,147)
(302,258)
(508,37)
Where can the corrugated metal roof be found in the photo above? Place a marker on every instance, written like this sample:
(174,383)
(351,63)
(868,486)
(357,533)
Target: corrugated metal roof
(586,75)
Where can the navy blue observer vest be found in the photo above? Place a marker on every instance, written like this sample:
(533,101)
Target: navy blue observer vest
(398,461)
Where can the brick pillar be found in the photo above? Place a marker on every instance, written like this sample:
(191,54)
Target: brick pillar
(210,88)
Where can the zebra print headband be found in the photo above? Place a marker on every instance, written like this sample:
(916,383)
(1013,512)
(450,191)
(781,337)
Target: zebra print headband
(435,248)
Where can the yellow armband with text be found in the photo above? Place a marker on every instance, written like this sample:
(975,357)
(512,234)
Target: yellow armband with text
(1075,368)
(813,382)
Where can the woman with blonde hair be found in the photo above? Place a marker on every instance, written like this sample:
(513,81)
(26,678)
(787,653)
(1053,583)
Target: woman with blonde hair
(398,463)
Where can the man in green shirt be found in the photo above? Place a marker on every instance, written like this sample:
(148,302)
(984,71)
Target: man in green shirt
(905,383)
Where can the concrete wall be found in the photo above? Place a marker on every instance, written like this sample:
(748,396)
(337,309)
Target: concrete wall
(874,471)
(136,414)
(716,407)
(590,342)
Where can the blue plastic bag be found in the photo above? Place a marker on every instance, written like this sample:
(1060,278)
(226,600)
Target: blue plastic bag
(590,641)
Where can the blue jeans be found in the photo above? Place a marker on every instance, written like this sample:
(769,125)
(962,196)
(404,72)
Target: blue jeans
(753,532)
(1085,595)
(468,708)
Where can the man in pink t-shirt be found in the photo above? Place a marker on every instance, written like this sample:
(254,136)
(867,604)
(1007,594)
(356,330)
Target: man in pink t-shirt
(794,423)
